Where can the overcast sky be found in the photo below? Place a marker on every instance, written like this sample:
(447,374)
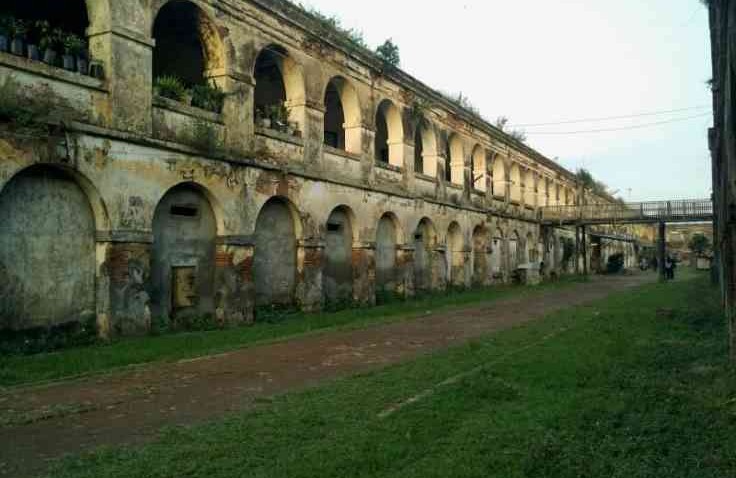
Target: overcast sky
(547,61)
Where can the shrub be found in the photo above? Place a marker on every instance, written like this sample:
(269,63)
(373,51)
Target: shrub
(170,87)
(74,45)
(208,97)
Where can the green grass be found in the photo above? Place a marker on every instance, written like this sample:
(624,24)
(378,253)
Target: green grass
(637,385)
(20,370)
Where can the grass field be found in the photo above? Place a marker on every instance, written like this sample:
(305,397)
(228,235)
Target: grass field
(637,385)
(21,370)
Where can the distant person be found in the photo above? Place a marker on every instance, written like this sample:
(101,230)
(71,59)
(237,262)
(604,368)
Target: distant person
(668,269)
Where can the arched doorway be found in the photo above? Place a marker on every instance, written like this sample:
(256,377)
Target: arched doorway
(183,256)
(514,255)
(342,127)
(337,278)
(425,242)
(386,243)
(47,251)
(389,140)
(274,262)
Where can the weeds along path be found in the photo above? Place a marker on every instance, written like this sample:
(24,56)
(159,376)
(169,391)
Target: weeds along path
(43,423)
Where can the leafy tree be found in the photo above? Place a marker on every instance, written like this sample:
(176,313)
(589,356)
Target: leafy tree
(389,52)
(699,244)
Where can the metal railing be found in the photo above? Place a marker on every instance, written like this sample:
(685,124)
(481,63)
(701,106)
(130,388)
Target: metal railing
(684,210)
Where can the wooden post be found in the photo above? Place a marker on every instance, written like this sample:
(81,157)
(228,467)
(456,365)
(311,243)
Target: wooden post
(662,250)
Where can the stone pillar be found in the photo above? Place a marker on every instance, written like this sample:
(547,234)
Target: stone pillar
(310,260)
(127,57)
(364,273)
(405,272)
(237,109)
(235,294)
(124,266)
(353,138)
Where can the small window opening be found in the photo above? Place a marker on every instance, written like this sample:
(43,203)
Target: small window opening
(184,211)
(332,227)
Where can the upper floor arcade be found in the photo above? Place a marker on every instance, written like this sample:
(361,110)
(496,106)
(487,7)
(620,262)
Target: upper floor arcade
(261,81)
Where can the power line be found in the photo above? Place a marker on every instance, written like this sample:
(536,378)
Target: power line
(625,128)
(610,118)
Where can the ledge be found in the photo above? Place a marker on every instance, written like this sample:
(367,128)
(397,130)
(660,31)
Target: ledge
(51,72)
(124,237)
(341,152)
(388,167)
(425,177)
(191,111)
(279,136)
(456,187)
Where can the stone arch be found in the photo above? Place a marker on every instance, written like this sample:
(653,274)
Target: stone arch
(47,249)
(188,43)
(343,120)
(389,138)
(388,238)
(456,254)
(183,255)
(530,193)
(499,178)
(515,180)
(279,83)
(337,277)
(425,149)
(456,159)
(480,255)
(478,170)
(425,243)
(278,228)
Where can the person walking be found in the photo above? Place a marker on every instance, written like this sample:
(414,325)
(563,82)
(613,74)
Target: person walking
(668,274)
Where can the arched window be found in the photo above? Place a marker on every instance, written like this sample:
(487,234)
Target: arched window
(425,149)
(188,45)
(389,142)
(530,193)
(479,169)
(457,160)
(418,152)
(343,123)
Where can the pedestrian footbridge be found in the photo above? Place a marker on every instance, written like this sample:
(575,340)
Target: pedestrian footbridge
(653,212)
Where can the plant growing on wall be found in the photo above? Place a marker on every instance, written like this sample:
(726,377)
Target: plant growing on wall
(170,87)
(279,114)
(208,97)
(389,53)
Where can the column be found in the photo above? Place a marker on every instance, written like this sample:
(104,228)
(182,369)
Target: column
(364,273)
(237,109)
(405,273)
(310,260)
(235,294)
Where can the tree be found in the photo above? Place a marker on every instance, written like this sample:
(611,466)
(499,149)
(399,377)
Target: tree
(699,244)
(502,122)
(389,53)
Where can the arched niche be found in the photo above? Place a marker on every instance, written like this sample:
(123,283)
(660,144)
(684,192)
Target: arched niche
(47,250)
(275,260)
(188,44)
(387,241)
(337,277)
(343,122)
(425,242)
(183,256)
(389,136)
(480,256)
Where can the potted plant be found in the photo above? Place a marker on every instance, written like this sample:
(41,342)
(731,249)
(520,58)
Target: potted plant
(208,97)
(5,23)
(73,47)
(262,119)
(96,69)
(48,41)
(18,30)
(279,115)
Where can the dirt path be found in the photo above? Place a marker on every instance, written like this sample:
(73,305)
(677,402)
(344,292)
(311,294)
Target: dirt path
(129,407)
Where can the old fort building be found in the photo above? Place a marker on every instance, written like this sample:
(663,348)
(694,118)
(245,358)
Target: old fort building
(312,173)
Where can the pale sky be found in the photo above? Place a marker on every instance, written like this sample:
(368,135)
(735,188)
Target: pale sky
(546,61)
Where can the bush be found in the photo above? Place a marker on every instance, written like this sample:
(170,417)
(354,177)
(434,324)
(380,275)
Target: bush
(170,87)
(615,263)
(208,97)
